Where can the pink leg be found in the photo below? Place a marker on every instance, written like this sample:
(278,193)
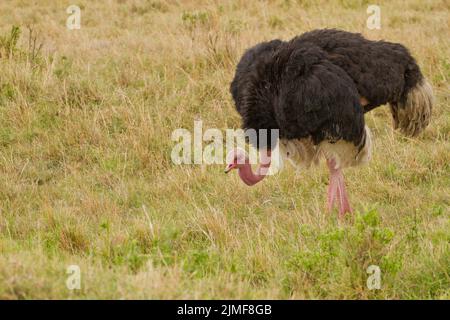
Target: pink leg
(332,189)
(336,190)
(344,204)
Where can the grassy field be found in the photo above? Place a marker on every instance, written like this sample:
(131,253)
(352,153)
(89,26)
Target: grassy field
(86,176)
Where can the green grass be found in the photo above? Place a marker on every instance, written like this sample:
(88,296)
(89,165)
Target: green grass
(86,176)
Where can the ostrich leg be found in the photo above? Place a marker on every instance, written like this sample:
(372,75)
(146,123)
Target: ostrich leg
(336,189)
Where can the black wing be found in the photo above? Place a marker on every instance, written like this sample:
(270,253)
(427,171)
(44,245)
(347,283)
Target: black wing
(382,71)
(254,55)
(317,98)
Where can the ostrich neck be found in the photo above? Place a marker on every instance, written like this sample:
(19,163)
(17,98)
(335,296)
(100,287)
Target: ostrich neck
(249,177)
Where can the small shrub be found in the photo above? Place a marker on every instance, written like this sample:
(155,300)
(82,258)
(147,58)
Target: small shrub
(8,43)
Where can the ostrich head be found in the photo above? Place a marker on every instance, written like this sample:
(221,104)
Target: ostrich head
(237,159)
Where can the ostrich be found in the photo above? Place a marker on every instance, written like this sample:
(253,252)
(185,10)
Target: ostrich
(315,89)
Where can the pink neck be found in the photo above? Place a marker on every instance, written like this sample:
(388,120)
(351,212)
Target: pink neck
(247,175)
(246,172)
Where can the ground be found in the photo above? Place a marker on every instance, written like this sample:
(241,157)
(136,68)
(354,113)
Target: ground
(86,176)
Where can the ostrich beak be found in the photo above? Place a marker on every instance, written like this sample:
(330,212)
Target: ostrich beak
(230,167)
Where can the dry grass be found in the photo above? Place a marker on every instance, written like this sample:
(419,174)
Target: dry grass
(86,176)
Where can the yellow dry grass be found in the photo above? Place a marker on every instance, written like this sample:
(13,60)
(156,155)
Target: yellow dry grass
(86,176)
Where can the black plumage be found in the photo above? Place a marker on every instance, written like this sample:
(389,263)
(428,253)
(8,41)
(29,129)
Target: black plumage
(382,71)
(312,86)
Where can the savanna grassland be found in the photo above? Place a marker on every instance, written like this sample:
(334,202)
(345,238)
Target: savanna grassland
(86,177)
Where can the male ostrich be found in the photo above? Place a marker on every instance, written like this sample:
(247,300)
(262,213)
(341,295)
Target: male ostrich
(315,90)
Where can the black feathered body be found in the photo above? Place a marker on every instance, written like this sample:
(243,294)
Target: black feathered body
(383,72)
(310,87)
(298,90)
